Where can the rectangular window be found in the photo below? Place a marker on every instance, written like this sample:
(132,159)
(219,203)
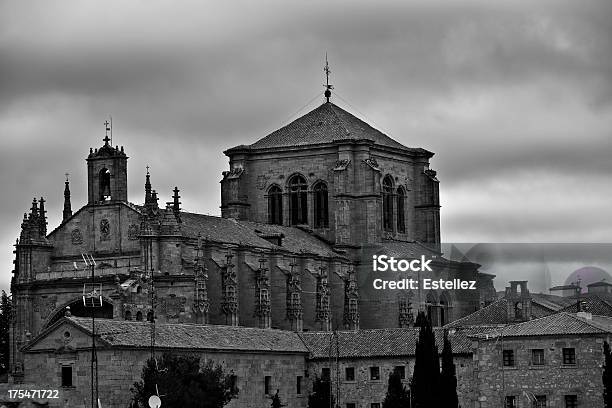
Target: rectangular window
(569,356)
(508,358)
(66,376)
(537,357)
(325,373)
(349,373)
(401,370)
(234,383)
(540,401)
(374,373)
(298,385)
(510,401)
(267,384)
(571,401)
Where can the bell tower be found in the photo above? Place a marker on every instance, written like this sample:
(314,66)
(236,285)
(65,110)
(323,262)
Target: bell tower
(106,173)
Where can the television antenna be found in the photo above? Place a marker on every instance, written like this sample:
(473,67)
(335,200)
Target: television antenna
(93,300)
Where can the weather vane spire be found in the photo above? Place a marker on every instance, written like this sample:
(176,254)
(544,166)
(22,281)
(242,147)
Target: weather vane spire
(107,129)
(328,87)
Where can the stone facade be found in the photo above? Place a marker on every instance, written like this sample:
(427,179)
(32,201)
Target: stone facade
(553,379)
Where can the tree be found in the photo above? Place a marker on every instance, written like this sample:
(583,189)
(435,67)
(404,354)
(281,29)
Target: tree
(321,394)
(425,380)
(448,377)
(397,396)
(607,376)
(276,401)
(182,383)
(6,312)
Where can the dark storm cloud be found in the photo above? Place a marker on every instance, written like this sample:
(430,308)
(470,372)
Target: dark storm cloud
(514,98)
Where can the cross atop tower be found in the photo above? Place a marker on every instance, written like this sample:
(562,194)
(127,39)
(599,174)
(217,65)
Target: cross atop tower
(328,87)
(106,138)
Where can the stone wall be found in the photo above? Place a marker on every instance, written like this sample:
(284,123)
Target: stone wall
(119,369)
(553,379)
(364,391)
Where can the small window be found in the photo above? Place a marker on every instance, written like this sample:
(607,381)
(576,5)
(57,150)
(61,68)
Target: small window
(539,401)
(569,356)
(128,315)
(387,194)
(267,384)
(234,383)
(510,401)
(508,358)
(375,405)
(66,376)
(401,370)
(374,373)
(298,385)
(537,357)
(349,373)
(571,401)
(351,405)
(139,316)
(325,373)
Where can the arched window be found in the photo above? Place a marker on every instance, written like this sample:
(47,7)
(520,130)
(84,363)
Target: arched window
(104,178)
(401,209)
(150,316)
(275,205)
(388,203)
(298,200)
(139,316)
(321,213)
(128,315)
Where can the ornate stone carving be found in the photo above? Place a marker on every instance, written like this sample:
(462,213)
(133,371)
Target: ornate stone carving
(341,164)
(322,309)
(262,181)
(351,301)
(294,295)
(406,318)
(262,294)
(133,232)
(372,163)
(229,284)
(45,305)
(104,230)
(76,237)
(173,305)
(201,302)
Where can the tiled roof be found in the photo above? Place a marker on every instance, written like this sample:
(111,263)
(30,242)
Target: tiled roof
(326,124)
(377,343)
(558,324)
(249,233)
(404,249)
(595,303)
(120,333)
(496,313)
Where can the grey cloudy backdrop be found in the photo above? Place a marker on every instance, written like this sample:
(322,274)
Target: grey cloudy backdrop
(514,98)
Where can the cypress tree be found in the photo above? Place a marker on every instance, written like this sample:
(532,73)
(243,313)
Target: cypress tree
(607,376)
(397,396)
(448,377)
(320,396)
(425,380)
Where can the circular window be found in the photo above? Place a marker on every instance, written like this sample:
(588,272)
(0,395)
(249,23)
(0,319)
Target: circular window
(66,334)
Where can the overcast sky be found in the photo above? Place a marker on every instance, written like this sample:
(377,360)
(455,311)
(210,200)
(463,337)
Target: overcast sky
(513,97)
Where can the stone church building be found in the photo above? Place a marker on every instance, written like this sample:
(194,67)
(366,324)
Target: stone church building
(302,212)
